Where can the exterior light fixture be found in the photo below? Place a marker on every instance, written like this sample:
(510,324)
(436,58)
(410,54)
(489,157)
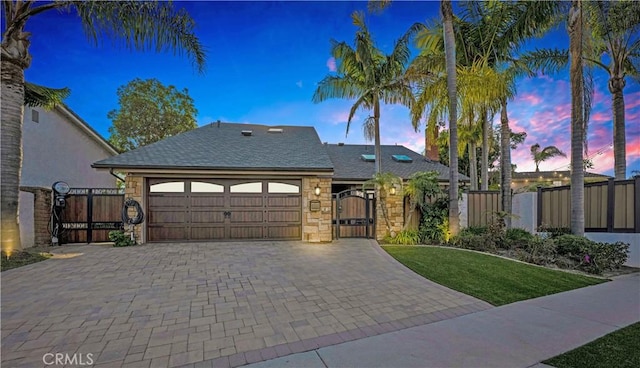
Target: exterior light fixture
(316,190)
(392,191)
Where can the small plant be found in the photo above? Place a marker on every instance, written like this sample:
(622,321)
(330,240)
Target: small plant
(433,218)
(538,251)
(475,230)
(405,237)
(554,232)
(517,238)
(483,243)
(120,239)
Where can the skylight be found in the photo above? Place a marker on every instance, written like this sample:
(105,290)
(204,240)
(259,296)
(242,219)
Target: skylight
(402,158)
(275,130)
(368,158)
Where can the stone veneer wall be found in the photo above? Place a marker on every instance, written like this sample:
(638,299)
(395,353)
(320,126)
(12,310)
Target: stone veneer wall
(134,188)
(395,211)
(316,226)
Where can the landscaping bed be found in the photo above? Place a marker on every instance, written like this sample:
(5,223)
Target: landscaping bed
(21,258)
(493,279)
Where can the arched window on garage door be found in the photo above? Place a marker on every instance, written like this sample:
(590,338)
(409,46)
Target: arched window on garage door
(202,187)
(254,187)
(167,187)
(275,187)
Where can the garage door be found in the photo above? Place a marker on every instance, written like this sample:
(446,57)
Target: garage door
(199,209)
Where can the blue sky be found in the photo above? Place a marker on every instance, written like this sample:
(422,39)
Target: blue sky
(265,58)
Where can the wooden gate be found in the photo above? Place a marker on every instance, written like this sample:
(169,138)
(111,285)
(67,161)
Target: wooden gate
(90,214)
(354,214)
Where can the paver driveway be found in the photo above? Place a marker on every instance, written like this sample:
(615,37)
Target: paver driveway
(211,304)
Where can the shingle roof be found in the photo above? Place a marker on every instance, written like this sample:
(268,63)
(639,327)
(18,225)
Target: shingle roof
(552,174)
(222,146)
(348,163)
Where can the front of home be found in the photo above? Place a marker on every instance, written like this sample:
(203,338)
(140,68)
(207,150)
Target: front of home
(228,181)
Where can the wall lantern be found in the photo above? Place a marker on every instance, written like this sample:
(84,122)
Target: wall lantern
(392,191)
(316,191)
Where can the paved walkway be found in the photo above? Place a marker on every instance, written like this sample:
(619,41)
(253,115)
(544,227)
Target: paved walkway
(516,335)
(212,304)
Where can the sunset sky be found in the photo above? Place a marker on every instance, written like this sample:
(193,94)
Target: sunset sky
(265,59)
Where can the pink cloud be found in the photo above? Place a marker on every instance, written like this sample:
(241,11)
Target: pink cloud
(331,64)
(529,98)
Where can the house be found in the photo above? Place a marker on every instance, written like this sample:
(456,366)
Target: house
(522,181)
(57,145)
(228,181)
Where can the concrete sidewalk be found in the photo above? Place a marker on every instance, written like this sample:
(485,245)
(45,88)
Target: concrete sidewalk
(516,335)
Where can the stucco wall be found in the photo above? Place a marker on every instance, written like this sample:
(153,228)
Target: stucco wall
(55,149)
(25,211)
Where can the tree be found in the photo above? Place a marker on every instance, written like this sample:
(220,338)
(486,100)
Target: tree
(149,112)
(578,121)
(366,74)
(141,25)
(546,153)
(615,26)
(450,56)
(420,186)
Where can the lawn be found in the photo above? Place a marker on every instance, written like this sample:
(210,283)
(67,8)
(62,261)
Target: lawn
(617,349)
(496,280)
(21,258)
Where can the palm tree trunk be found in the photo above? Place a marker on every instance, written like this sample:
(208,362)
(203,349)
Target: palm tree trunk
(12,111)
(450,56)
(505,163)
(616,85)
(484,164)
(377,148)
(473,165)
(577,117)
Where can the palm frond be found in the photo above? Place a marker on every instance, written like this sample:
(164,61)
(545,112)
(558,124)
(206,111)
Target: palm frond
(142,25)
(41,96)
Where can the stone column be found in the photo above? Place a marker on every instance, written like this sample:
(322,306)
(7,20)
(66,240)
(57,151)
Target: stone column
(134,188)
(394,204)
(316,222)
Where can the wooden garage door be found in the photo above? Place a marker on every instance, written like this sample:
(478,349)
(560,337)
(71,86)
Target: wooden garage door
(209,209)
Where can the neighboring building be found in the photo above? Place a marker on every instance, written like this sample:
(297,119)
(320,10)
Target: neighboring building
(523,181)
(239,181)
(56,145)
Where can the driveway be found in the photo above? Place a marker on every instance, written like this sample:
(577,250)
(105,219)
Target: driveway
(211,304)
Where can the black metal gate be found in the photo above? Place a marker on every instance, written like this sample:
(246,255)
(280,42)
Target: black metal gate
(354,214)
(90,213)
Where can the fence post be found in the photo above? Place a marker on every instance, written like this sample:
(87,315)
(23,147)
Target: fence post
(89,216)
(636,199)
(611,200)
(539,209)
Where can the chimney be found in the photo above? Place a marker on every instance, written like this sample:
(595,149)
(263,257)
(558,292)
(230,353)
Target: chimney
(431,144)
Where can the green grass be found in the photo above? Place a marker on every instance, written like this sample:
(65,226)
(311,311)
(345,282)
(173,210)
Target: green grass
(618,349)
(496,280)
(20,258)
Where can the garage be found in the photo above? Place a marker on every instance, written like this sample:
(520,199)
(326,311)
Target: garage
(223,209)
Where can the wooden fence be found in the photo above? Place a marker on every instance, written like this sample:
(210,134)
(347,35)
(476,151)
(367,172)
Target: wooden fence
(611,206)
(482,207)
(90,214)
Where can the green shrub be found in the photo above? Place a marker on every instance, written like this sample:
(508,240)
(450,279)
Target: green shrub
(539,251)
(590,256)
(405,237)
(483,243)
(554,232)
(517,238)
(120,239)
(475,230)
(433,217)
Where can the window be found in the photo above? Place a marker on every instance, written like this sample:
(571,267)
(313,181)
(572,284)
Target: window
(255,187)
(201,187)
(169,187)
(35,116)
(368,158)
(402,158)
(283,188)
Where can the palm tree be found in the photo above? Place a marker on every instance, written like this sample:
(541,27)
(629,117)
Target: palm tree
(142,26)
(546,153)
(578,121)
(450,56)
(615,26)
(369,76)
